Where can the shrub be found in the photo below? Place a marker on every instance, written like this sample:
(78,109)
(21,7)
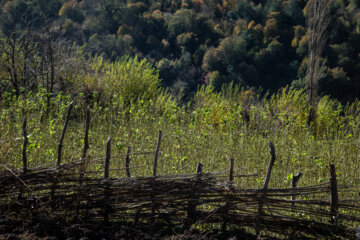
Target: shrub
(216,80)
(127,78)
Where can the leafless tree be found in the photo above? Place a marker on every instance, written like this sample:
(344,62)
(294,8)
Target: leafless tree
(18,54)
(317,21)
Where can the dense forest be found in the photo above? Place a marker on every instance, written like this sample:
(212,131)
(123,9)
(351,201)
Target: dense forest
(260,45)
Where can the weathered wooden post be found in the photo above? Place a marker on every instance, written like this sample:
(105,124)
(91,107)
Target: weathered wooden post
(86,147)
(231,174)
(24,157)
(227,204)
(295,180)
(60,145)
(106,182)
(107,158)
(265,187)
(157,153)
(334,198)
(83,160)
(193,199)
(127,162)
(199,170)
(154,172)
(271,164)
(86,138)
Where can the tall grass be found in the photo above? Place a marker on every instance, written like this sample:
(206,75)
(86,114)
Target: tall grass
(209,130)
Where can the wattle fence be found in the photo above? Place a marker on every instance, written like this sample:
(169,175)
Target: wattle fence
(69,192)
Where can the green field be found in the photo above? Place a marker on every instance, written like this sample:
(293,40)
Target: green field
(209,129)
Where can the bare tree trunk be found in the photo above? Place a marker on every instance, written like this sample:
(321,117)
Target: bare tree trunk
(317,21)
(12,67)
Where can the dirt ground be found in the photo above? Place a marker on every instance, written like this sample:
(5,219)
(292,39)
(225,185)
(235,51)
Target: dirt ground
(49,229)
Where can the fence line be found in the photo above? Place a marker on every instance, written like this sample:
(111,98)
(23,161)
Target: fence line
(68,189)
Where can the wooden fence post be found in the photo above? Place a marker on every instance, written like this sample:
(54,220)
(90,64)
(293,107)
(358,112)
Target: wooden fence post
(295,180)
(106,182)
(83,160)
(86,137)
(199,170)
(157,153)
(334,195)
(24,157)
(107,158)
(154,172)
(271,164)
(231,173)
(60,145)
(194,199)
(86,146)
(127,162)
(265,187)
(227,204)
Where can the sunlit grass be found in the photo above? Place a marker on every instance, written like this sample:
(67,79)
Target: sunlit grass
(210,132)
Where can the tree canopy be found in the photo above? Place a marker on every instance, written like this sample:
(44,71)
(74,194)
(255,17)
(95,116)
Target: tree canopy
(261,44)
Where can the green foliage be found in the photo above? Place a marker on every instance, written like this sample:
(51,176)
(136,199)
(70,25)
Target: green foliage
(271,28)
(181,22)
(186,40)
(329,121)
(290,107)
(216,80)
(245,10)
(71,11)
(262,44)
(127,78)
(294,11)
(210,130)
(232,49)
(203,51)
(211,60)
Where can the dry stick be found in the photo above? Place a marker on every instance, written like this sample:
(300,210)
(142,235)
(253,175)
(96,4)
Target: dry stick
(334,195)
(86,146)
(63,134)
(199,172)
(295,180)
(107,183)
(107,158)
(24,146)
(157,153)
(231,174)
(127,162)
(227,204)
(24,184)
(83,158)
(193,200)
(154,171)
(60,145)
(265,187)
(24,154)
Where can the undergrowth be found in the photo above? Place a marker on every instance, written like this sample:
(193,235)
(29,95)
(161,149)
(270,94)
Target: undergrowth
(210,129)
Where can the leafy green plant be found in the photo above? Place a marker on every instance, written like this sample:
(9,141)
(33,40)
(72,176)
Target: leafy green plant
(127,78)
(210,130)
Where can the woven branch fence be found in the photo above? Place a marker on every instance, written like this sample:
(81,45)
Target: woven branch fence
(69,192)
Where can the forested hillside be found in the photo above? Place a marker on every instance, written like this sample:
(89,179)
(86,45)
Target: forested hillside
(211,80)
(261,44)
